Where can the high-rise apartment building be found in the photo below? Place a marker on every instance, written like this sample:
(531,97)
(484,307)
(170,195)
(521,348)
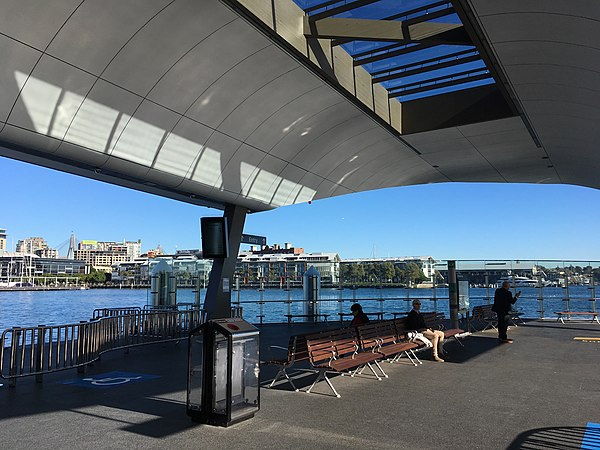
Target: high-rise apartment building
(47,253)
(31,245)
(101,255)
(2,239)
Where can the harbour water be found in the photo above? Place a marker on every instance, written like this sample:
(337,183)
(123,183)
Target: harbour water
(32,308)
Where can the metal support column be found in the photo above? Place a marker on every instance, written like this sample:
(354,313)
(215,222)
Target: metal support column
(218,293)
(453,293)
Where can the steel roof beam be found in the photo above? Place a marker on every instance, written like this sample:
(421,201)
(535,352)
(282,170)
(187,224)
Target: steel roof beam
(456,36)
(402,51)
(440,85)
(443,77)
(341,9)
(424,69)
(424,61)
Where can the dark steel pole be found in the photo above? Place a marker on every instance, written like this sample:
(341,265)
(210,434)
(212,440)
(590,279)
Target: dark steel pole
(453,293)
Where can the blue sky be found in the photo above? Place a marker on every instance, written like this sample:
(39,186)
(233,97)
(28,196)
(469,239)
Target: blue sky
(446,221)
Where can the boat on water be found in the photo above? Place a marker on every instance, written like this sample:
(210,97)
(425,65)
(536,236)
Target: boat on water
(519,282)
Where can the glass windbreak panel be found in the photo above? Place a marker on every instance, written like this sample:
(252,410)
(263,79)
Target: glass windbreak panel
(196,358)
(245,377)
(221,356)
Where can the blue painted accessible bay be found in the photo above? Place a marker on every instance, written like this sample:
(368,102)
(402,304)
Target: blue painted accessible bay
(110,380)
(591,438)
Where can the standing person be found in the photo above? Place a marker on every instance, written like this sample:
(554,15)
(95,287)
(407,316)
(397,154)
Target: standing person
(503,301)
(359,316)
(415,321)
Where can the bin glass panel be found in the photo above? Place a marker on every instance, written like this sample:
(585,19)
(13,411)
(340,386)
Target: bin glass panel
(220,374)
(196,356)
(245,377)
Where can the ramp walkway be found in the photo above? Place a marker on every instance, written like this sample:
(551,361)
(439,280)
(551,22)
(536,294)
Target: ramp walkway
(542,389)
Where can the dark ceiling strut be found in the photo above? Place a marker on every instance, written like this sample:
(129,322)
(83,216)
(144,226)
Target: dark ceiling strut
(428,68)
(456,36)
(392,70)
(341,9)
(382,49)
(429,16)
(395,53)
(441,85)
(321,6)
(465,73)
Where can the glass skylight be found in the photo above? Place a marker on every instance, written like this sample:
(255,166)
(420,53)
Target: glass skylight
(409,69)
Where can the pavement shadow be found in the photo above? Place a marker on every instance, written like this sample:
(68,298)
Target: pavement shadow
(557,438)
(474,346)
(591,328)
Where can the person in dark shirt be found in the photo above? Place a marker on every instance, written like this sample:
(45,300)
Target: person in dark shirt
(359,316)
(415,321)
(503,301)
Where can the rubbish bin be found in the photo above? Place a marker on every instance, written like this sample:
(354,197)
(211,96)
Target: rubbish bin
(223,372)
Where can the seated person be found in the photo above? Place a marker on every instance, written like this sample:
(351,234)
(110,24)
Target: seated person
(359,316)
(415,321)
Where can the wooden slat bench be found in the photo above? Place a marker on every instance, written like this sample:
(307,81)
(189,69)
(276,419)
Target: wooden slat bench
(379,315)
(382,337)
(568,314)
(297,352)
(306,316)
(337,351)
(484,313)
(435,321)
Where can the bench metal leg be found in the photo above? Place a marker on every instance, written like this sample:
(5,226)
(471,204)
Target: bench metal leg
(323,376)
(415,357)
(380,368)
(360,370)
(373,370)
(283,371)
(458,340)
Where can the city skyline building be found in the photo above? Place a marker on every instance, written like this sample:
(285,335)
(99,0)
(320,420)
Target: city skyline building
(2,239)
(31,245)
(102,255)
(47,253)
(20,269)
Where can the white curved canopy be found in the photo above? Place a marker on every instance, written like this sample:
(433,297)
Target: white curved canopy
(190,100)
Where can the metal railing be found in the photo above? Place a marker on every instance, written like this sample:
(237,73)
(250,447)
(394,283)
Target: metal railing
(535,305)
(45,349)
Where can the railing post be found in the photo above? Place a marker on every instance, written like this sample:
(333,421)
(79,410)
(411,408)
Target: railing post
(262,301)
(14,351)
(567,292)
(593,299)
(541,297)
(39,353)
(289,297)
(81,347)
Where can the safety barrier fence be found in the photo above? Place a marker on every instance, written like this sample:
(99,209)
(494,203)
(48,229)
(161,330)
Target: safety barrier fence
(45,349)
(531,306)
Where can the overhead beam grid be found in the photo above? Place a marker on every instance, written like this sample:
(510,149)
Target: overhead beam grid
(409,51)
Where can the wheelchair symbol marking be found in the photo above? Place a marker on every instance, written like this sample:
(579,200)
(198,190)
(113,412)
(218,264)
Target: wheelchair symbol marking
(110,381)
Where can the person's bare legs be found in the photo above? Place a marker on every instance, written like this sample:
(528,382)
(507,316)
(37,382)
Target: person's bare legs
(434,337)
(440,346)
